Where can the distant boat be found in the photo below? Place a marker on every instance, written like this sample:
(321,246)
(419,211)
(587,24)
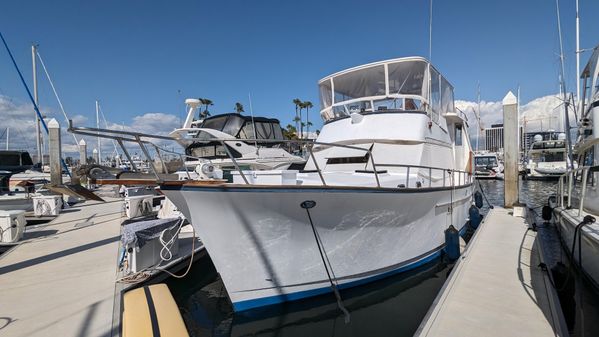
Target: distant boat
(488,166)
(264,147)
(547,159)
(12,162)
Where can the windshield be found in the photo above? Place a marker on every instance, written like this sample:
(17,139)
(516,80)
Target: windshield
(394,85)
(485,161)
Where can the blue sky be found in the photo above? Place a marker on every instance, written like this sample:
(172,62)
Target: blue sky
(140,57)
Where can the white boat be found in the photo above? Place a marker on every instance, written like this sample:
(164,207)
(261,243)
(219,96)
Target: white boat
(577,204)
(203,140)
(547,159)
(488,166)
(390,171)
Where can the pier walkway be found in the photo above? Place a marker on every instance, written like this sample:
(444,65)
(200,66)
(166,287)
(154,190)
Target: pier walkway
(61,280)
(497,288)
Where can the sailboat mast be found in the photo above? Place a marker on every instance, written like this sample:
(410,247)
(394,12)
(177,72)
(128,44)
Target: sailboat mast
(7,137)
(563,88)
(98,126)
(38,134)
(478,116)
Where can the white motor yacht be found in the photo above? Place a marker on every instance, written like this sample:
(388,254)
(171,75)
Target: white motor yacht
(390,171)
(547,159)
(488,166)
(203,141)
(577,206)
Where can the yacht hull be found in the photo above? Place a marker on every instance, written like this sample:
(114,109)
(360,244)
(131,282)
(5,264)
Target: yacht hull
(567,220)
(263,246)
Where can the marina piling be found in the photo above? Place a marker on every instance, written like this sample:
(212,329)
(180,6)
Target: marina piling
(510,149)
(82,152)
(55,152)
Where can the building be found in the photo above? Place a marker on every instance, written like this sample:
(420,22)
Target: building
(494,138)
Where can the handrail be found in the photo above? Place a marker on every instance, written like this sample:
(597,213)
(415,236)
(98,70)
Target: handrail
(568,177)
(135,137)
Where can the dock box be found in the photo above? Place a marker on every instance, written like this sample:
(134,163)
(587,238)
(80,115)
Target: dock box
(12,226)
(141,241)
(142,205)
(47,205)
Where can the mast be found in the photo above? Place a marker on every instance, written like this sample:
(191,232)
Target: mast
(98,126)
(7,137)
(38,134)
(253,123)
(563,89)
(478,116)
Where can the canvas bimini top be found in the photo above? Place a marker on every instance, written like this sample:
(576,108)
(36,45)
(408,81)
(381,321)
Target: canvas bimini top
(403,84)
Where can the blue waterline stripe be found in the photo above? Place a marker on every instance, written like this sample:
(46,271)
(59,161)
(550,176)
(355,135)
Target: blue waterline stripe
(266,301)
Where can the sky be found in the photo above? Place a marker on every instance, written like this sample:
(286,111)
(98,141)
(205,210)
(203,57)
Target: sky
(141,59)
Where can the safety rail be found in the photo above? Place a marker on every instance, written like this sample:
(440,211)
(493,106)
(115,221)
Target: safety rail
(569,180)
(449,175)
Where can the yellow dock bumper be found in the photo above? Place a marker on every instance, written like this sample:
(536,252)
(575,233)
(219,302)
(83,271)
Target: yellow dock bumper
(151,311)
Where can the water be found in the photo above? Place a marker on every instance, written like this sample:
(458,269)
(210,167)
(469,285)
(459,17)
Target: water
(391,307)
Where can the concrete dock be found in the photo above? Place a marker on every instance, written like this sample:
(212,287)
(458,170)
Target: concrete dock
(497,288)
(61,280)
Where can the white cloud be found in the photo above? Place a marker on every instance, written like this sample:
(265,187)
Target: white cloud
(540,114)
(18,117)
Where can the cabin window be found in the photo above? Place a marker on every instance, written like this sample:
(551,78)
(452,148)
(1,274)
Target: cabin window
(406,78)
(458,135)
(446,96)
(435,94)
(326,94)
(349,160)
(360,83)
(485,161)
(11,160)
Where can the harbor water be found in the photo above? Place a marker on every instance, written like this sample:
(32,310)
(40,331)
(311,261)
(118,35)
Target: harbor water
(393,306)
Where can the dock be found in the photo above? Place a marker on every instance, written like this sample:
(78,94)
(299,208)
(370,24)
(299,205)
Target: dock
(497,287)
(61,279)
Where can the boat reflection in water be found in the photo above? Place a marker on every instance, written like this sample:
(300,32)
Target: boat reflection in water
(393,306)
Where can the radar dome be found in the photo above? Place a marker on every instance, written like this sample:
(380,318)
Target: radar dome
(538,138)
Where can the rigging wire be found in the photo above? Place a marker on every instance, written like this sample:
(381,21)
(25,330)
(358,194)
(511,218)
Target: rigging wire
(106,126)
(35,107)
(55,93)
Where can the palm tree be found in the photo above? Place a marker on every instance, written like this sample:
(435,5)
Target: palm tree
(239,108)
(308,125)
(302,106)
(206,102)
(290,132)
(297,103)
(308,105)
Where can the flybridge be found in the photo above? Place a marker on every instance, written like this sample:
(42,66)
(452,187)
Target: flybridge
(404,84)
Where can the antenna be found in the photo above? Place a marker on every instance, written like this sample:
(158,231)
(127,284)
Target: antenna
(577,53)
(253,123)
(430,32)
